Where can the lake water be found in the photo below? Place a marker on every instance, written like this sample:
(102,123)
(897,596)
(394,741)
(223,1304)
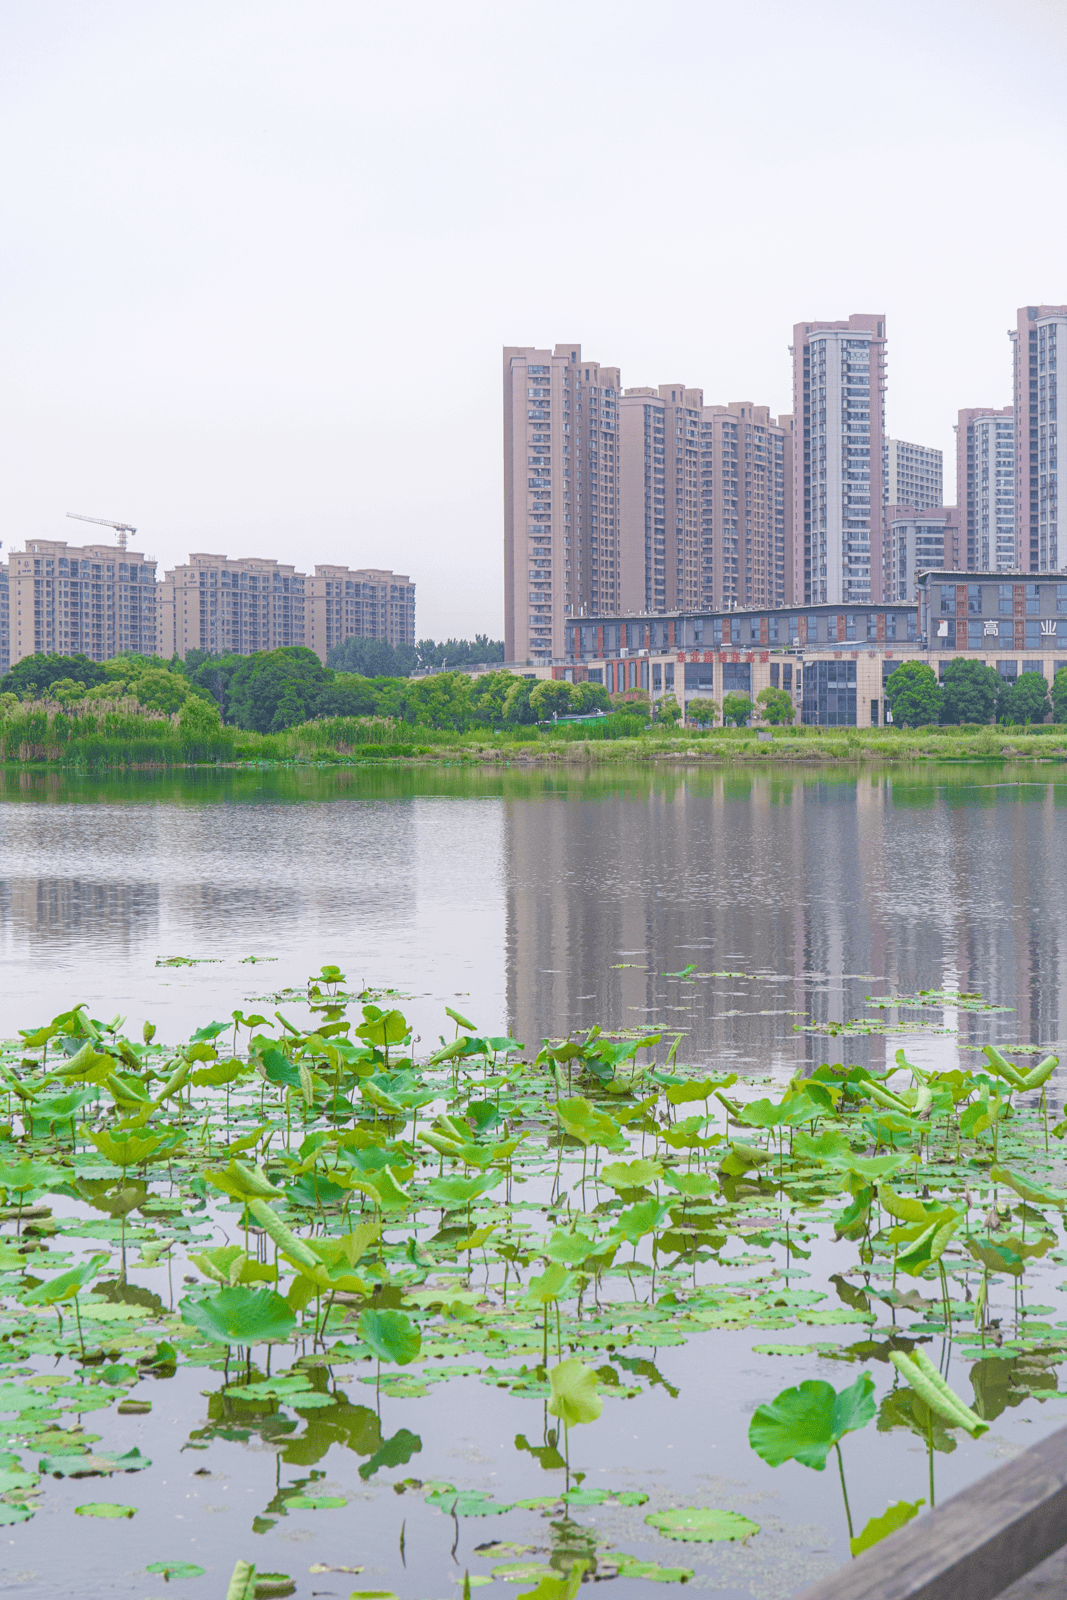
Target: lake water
(544,903)
(535,903)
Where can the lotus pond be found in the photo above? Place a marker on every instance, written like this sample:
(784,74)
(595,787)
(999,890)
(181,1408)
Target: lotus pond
(293,1307)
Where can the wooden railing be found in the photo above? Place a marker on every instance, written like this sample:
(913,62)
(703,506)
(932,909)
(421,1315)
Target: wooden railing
(1004,1536)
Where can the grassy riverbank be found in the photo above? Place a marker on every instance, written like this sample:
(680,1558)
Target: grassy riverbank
(125,736)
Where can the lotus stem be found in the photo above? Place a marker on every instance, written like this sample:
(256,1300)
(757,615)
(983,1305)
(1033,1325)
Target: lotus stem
(844,1491)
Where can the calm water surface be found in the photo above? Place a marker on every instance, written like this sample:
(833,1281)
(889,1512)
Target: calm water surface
(543,902)
(536,904)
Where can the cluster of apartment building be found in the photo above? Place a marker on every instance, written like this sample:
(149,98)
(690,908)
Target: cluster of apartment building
(621,502)
(99,600)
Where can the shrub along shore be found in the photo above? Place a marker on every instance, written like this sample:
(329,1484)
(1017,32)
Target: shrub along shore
(284,707)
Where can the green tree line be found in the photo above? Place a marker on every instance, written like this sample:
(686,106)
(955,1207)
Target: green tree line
(278,689)
(972,693)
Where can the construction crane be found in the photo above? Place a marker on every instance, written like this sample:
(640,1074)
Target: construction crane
(121,528)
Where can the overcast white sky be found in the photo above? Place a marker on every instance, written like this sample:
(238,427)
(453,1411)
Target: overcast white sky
(260,256)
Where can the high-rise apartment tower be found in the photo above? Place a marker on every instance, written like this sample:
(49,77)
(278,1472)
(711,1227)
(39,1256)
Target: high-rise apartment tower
(1040,335)
(913,474)
(661,496)
(839,379)
(985,489)
(541,567)
(745,475)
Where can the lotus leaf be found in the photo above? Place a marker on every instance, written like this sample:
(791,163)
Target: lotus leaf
(632,1174)
(104,1508)
(894,1517)
(574,1397)
(919,1371)
(176,1569)
(701,1525)
(240,1315)
(391,1335)
(804,1423)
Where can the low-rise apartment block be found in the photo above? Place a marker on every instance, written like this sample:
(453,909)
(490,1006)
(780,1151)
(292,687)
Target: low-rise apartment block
(366,603)
(231,606)
(94,600)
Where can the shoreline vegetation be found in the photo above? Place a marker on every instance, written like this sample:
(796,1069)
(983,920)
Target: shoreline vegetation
(284,708)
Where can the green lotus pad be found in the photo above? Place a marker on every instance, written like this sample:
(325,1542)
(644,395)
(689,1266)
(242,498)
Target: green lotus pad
(701,1525)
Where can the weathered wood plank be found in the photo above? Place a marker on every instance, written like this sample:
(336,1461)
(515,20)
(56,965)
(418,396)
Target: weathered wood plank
(975,1545)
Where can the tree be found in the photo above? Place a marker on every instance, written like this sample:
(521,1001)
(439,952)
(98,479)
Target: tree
(349,695)
(66,690)
(913,695)
(199,719)
(703,710)
(969,692)
(551,695)
(736,708)
(517,709)
(668,710)
(587,697)
(32,675)
(476,652)
(442,701)
(775,706)
(1025,700)
(1059,696)
(214,675)
(372,658)
(158,690)
(489,696)
(275,689)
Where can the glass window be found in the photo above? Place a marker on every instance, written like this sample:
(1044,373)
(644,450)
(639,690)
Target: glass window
(1061,597)
(850,625)
(872,624)
(1033,599)
(736,676)
(974,599)
(948,600)
(1008,669)
(775,674)
(1004,599)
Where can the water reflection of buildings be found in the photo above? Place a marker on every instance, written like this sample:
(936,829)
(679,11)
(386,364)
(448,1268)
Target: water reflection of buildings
(826,890)
(42,912)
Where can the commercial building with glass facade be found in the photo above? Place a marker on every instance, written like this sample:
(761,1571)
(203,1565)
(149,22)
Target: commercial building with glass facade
(833,660)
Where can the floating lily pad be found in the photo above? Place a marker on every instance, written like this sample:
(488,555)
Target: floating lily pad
(104,1508)
(176,1569)
(701,1525)
(321,1502)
